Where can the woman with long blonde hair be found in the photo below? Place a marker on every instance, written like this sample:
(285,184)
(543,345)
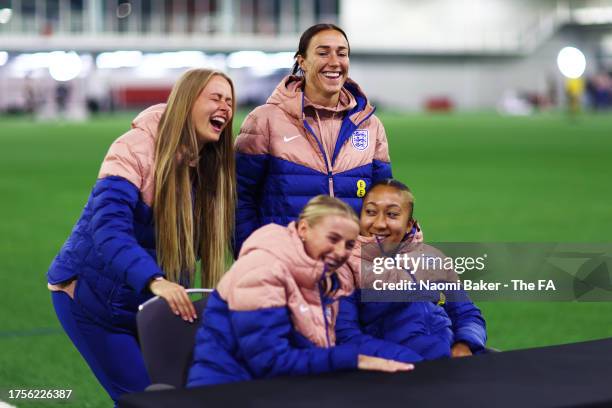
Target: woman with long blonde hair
(164,198)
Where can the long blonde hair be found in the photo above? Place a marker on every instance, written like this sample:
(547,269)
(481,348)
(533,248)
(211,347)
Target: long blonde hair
(193,207)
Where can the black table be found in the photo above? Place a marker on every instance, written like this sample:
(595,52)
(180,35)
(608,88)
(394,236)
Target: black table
(578,374)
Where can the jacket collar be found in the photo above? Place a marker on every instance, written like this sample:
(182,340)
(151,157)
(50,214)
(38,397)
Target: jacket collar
(289,96)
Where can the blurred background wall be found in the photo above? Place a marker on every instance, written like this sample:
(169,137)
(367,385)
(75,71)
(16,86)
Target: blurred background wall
(408,54)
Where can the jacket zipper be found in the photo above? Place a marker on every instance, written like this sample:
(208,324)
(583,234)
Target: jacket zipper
(323,307)
(330,177)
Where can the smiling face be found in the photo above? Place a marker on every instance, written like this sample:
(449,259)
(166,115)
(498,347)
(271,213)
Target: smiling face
(212,110)
(386,214)
(325,66)
(330,239)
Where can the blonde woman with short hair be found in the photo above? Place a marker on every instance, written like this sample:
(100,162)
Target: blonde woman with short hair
(164,198)
(274,311)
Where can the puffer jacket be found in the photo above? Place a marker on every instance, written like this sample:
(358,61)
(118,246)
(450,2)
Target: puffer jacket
(422,326)
(290,150)
(269,317)
(111,250)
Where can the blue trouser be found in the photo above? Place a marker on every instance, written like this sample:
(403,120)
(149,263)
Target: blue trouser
(113,356)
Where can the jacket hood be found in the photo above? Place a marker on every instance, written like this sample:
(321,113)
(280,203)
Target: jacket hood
(149,118)
(284,244)
(288,96)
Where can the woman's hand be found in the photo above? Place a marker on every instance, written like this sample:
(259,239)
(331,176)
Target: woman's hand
(69,288)
(460,350)
(381,364)
(176,296)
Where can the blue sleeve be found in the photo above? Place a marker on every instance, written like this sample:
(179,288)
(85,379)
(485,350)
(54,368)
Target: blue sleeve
(114,201)
(348,331)
(468,324)
(380,170)
(264,342)
(213,359)
(250,173)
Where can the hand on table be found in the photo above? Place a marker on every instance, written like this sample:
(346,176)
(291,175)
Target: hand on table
(460,350)
(381,364)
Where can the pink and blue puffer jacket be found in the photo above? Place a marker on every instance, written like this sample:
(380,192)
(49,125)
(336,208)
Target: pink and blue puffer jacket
(290,150)
(111,250)
(269,316)
(406,330)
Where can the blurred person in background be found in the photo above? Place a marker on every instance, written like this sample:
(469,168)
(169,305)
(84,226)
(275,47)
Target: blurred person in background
(29,94)
(599,90)
(574,90)
(274,311)
(317,134)
(164,197)
(422,325)
(62,94)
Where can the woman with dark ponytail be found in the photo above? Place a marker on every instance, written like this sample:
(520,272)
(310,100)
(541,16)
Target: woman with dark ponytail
(316,134)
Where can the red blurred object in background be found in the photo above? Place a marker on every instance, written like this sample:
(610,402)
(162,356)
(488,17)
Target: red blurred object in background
(135,97)
(439,104)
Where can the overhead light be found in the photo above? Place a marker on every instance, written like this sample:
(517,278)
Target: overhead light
(244,59)
(119,59)
(571,62)
(259,62)
(178,59)
(64,66)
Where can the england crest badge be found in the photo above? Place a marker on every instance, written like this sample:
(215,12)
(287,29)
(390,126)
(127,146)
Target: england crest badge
(360,139)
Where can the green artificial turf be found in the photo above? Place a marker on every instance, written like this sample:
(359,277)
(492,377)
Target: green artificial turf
(476,177)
